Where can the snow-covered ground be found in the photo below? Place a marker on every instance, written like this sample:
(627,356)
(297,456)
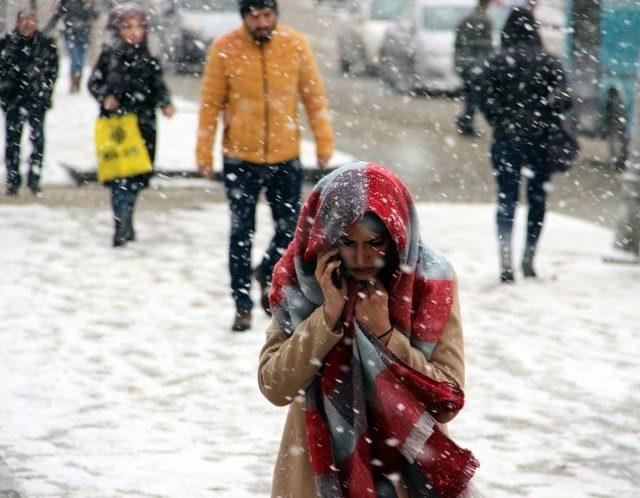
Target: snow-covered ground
(120,376)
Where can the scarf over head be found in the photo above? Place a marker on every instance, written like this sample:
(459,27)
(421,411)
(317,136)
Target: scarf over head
(369,417)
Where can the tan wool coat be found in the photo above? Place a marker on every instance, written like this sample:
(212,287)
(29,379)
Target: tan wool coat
(289,365)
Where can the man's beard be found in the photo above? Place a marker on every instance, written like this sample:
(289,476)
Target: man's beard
(262,36)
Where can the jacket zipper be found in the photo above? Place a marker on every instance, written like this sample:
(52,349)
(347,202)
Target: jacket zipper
(265,90)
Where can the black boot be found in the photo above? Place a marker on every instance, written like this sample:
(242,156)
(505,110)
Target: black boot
(130,233)
(33,180)
(120,235)
(506,269)
(527,263)
(506,276)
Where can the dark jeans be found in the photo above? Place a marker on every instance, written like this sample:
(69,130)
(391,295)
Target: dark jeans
(15,118)
(77,46)
(509,157)
(124,194)
(243,182)
(465,118)
(125,191)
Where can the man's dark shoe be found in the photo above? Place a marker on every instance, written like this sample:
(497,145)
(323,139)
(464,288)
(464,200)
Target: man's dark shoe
(242,321)
(264,290)
(467,131)
(35,190)
(465,128)
(527,269)
(506,276)
(12,190)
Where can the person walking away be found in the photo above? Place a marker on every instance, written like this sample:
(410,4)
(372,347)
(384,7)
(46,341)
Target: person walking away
(77,18)
(365,347)
(128,79)
(521,90)
(255,75)
(473,45)
(28,71)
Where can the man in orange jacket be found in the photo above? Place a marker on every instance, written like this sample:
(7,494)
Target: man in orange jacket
(252,81)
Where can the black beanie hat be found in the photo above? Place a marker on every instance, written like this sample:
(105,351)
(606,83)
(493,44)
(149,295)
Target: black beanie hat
(247,6)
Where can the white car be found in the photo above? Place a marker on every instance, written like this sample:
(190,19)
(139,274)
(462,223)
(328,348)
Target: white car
(418,47)
(360,32)
(186,28)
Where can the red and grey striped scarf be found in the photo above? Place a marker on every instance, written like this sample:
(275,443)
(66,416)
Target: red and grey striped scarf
(370,417)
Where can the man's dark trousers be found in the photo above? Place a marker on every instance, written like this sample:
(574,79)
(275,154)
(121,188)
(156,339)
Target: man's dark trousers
(243,182)
(464,120)
(15,118)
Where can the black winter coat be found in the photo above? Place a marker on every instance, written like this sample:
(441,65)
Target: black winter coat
(78,15)
(473,42)
(519,90)
(133,76)
(28,70)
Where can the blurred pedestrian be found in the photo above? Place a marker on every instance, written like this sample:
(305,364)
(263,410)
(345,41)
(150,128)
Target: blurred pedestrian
(365,347)
(77,18)
(254,75)
(28,71)
(521,91)
(128,79)
(473,46)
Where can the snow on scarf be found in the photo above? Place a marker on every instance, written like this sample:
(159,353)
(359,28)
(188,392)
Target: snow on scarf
(369,417)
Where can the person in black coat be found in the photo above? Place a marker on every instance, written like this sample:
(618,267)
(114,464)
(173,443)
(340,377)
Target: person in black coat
(519,91)
(77,17)
(28,71)
(128,79)
(472,46)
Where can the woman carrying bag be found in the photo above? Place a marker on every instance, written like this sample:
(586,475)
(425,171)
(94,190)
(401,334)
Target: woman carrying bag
(365,347)
(128,83)
(522,91)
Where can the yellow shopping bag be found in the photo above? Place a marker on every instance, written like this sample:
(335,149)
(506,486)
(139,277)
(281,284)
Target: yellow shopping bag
(120,147)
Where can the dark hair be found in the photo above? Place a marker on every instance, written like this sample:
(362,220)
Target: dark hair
(247,6)
(521,28)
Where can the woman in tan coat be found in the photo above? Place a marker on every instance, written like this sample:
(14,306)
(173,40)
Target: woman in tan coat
(365,347)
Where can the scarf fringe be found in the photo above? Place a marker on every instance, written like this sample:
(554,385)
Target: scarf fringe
(415,443)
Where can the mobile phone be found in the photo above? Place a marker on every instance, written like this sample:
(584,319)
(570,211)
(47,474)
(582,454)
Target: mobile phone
(336,275)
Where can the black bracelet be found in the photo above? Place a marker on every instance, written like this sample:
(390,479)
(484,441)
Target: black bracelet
(386,333)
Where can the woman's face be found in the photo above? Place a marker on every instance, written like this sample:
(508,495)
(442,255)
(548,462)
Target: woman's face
(133,31)
(362,251)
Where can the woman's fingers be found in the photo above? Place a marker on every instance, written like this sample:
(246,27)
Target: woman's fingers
(321,262)
(330,267)
(324,257)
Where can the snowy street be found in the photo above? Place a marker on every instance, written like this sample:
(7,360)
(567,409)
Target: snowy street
(120,377)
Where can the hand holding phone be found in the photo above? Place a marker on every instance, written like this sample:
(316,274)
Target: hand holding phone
(330,279)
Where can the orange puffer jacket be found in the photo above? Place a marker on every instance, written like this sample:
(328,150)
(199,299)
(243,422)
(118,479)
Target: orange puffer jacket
(256,87)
